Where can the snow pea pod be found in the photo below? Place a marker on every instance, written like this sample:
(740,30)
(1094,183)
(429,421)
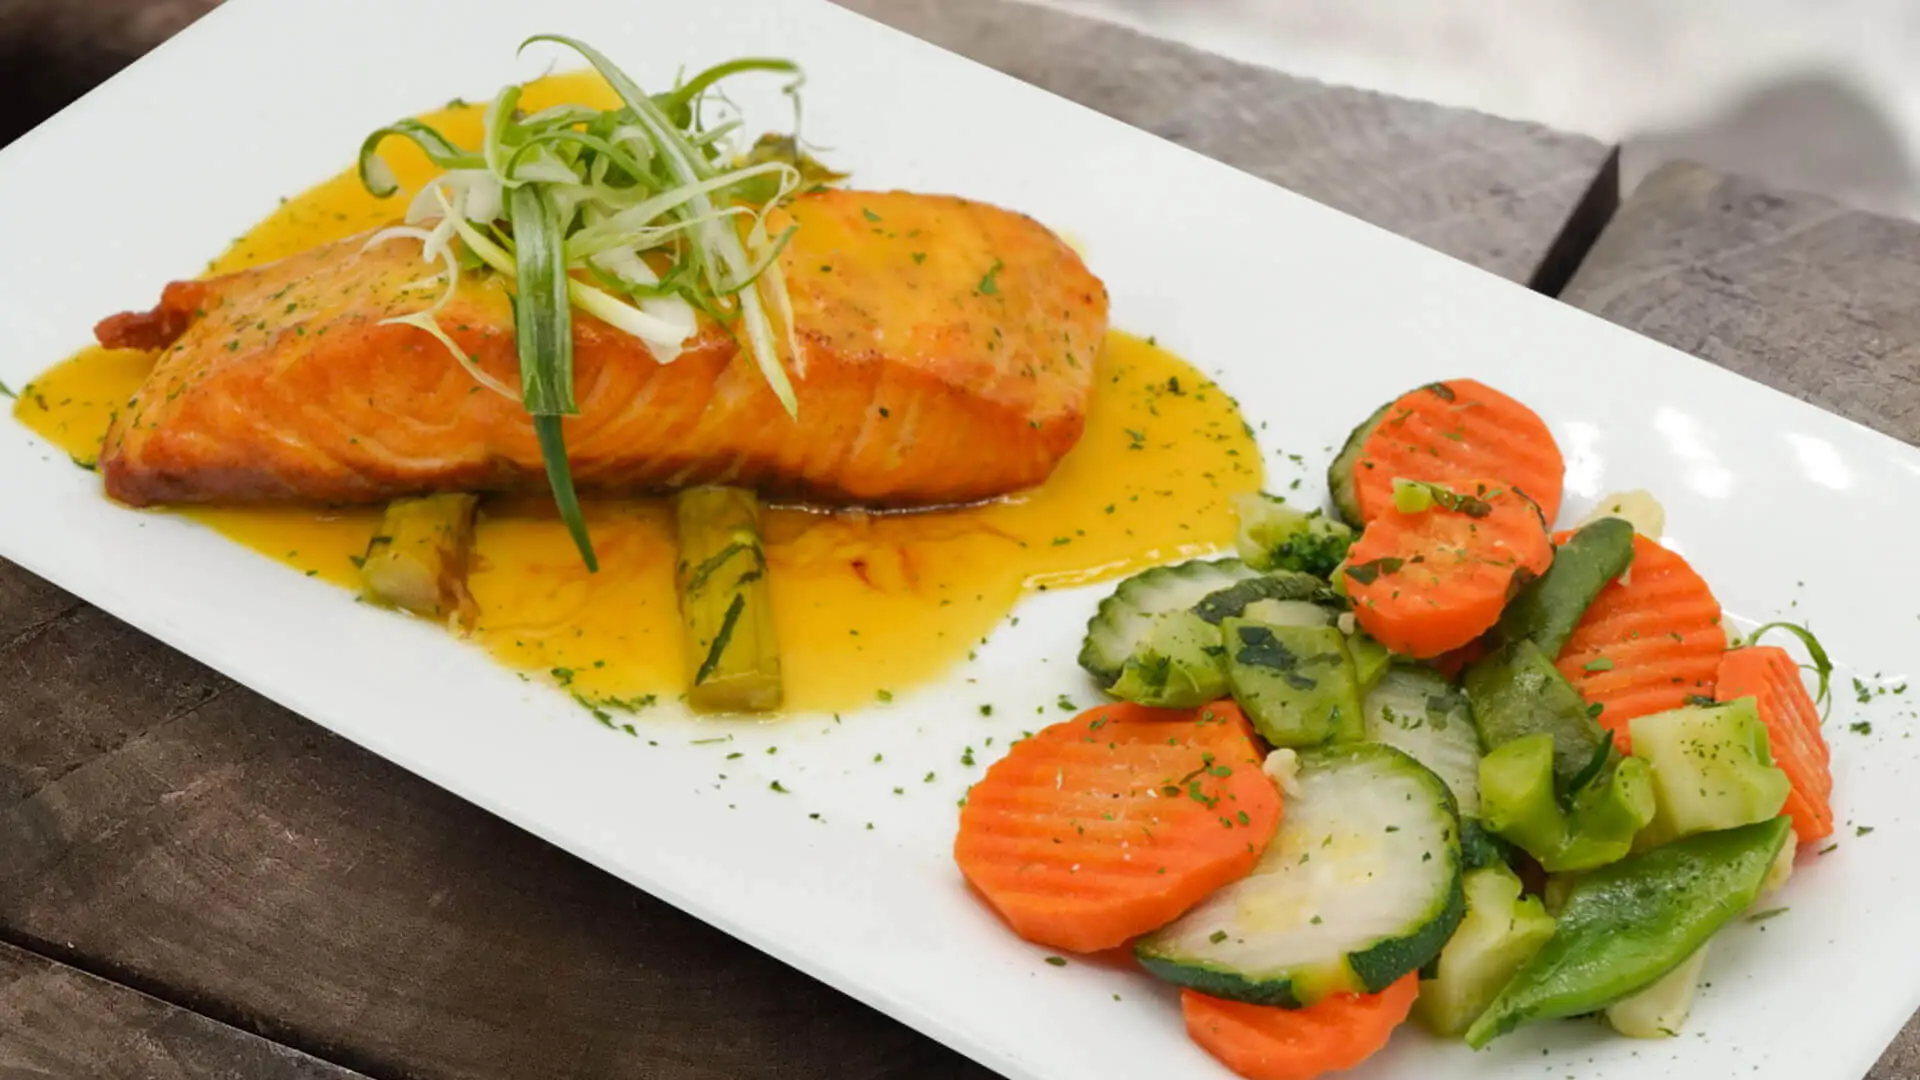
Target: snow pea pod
(1626,925)
(1547,610)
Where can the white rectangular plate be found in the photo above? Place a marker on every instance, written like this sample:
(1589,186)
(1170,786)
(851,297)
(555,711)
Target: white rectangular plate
(1311,318)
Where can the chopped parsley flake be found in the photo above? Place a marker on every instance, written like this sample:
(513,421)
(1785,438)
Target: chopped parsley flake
(989,283)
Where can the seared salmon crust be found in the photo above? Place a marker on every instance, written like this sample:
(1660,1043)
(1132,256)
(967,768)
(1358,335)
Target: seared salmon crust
(946,355)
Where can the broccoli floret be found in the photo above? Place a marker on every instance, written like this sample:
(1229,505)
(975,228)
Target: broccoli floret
(1275,536)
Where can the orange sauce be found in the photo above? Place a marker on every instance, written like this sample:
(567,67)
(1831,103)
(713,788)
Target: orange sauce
(865,604)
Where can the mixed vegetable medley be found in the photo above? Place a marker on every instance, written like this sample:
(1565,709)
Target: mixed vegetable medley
(1422,756)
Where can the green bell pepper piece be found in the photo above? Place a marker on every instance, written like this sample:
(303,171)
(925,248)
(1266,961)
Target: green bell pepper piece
(1516,795)
(1627,925)
(1605,816)
(1517,801)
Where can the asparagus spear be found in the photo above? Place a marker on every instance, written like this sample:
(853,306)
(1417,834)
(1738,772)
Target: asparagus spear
(725,604)
(418,559)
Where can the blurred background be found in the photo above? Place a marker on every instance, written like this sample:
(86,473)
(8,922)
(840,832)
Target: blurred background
(1818,95)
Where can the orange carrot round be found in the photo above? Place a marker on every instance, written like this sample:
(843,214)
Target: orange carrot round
(1453,432)
(1260,1042)
(1647,645)
(1769,675)
(1103,827)
(1428,582)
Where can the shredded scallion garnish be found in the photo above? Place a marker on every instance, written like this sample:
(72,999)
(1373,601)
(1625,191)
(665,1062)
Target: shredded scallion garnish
(1822,666)
(643,216)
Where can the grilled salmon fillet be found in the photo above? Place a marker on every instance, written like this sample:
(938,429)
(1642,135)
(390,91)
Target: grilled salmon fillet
(946,355)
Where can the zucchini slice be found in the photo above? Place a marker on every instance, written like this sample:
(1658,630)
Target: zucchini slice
(1340,482)
(1370,658)
(1361,886)
(1296,683)
(1481,847)
(1288,613)
(1177,666)
(1125,620)
(1289,587)
(1415,710)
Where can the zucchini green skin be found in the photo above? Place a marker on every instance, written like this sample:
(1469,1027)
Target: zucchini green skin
(1177,666)
(1296,683)
(1124,620)
(1340,477)
(1155,640)
(1384,964)
(1547,610)
(1278,585)
(1221,983)
(1374,970)
(1481,847)
(1373,966)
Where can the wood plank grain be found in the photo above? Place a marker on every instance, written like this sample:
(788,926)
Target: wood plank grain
(1497,193)
(1792,290)
(58,1023)
(27,604)
(69,681)
(167,829)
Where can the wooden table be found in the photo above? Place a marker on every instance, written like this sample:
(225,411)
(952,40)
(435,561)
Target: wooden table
(197,883)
